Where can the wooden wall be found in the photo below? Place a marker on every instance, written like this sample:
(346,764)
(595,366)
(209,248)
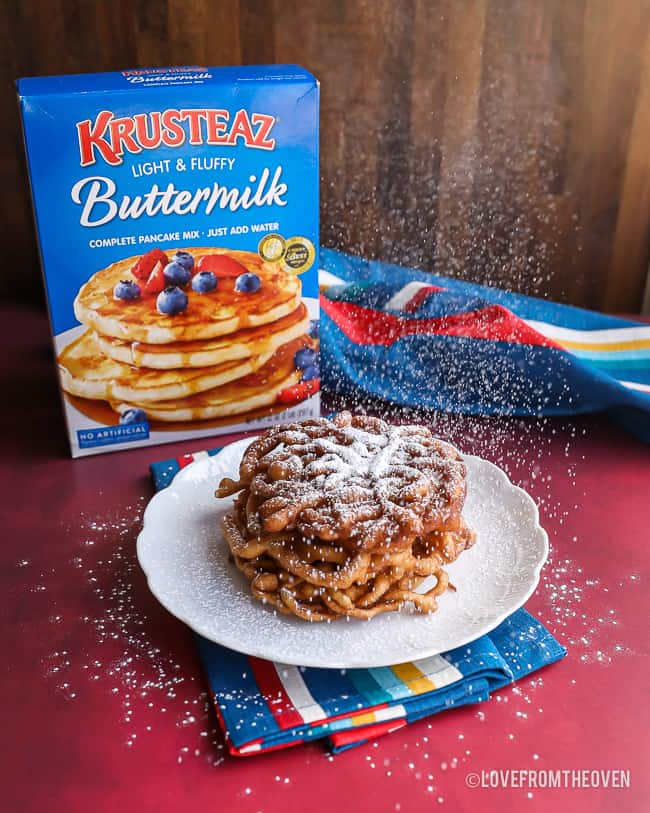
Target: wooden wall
(505,141)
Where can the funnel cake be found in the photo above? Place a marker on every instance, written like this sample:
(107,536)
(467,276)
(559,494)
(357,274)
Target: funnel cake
(347,517)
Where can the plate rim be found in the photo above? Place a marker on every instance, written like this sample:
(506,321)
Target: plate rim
(539,533)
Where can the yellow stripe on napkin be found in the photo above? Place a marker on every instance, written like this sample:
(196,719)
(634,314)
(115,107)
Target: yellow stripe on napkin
(412,677)
(363,719)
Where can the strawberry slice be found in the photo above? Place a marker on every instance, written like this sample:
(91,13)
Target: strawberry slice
(298,392)
(221,265)
(145,265)
(156,281)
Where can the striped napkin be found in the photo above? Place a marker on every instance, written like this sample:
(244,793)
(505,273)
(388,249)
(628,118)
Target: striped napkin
(429,341)
(263,706)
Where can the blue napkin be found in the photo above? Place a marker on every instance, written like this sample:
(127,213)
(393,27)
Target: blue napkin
(429,341)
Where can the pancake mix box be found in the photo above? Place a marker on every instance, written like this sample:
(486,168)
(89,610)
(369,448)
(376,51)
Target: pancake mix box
(177,216)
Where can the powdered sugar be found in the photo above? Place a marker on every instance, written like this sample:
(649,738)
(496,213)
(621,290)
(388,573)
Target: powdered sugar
(350,478)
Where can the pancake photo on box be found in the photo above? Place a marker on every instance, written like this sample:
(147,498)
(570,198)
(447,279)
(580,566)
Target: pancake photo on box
(191,335)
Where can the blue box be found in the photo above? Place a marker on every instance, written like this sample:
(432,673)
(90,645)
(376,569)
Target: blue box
(177,217)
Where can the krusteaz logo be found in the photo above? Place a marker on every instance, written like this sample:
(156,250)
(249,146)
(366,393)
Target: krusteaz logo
(109,435)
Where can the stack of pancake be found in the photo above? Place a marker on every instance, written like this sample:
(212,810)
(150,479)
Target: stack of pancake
(348,517)
(228,353)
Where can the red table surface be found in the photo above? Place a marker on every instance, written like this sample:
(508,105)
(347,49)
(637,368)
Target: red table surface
(103,704)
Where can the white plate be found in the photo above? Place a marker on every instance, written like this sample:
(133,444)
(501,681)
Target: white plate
(185,559)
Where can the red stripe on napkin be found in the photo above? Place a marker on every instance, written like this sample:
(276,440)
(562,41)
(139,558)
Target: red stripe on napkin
(420,298)
(373,327)
(366,732)
(275,696)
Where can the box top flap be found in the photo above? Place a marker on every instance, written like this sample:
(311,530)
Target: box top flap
(179,76)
